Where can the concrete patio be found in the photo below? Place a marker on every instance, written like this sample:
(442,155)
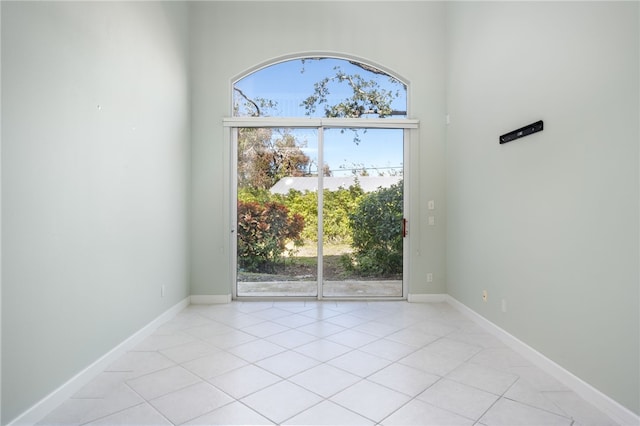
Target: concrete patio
(349,288)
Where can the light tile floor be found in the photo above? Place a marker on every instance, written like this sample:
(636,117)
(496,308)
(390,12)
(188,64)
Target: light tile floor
(323,363)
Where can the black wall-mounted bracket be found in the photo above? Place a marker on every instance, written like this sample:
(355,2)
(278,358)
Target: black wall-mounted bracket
(538,126)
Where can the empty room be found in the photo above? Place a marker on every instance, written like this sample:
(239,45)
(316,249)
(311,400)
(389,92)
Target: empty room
(320,212)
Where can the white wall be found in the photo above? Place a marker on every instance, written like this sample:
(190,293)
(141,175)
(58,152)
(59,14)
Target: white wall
(549,222)
(229,38)
(95,155)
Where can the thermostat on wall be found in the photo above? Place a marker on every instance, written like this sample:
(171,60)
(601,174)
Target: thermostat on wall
(538,126)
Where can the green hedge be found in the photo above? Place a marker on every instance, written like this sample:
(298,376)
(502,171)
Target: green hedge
(371,223)
(377,232)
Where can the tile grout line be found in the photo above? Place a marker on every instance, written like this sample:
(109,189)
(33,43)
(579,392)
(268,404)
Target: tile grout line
(411,400)
(149,404)
(497,400)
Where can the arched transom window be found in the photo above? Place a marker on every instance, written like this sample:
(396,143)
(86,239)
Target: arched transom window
(320,87)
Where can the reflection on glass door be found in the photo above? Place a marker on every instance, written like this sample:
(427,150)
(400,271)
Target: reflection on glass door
(362,214)
(277,239)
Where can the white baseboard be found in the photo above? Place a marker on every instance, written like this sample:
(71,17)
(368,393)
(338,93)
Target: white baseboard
(613,409)
(210,299)
(38,411)
(426,298)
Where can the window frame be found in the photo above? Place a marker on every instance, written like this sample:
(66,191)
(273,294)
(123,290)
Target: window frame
(232,123)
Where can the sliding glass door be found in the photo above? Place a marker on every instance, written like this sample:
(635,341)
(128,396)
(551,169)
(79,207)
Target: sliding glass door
(293,185)
(362,213)
(276,218)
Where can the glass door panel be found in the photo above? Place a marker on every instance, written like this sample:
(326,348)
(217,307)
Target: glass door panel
(362,214)
(277,214)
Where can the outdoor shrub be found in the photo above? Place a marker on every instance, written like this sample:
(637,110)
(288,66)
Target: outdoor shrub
(304,204)
(263,232)
(377,232)
(337,206)
(257,195)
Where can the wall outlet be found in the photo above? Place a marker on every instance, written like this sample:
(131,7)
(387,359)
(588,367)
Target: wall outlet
(504,305)
(485,296)
(429,277)
(162,288)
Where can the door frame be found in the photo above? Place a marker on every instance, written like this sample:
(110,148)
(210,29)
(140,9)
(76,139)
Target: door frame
(231,125)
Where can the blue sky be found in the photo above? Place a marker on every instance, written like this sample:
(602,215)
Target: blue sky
(286,84)
(290,82)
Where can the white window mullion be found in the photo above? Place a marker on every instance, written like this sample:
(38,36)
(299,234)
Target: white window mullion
(234,211)
(271,122)
(320,193)
(344,123)
(369,123)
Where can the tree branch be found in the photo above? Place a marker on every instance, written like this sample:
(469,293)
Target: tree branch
(257,114)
